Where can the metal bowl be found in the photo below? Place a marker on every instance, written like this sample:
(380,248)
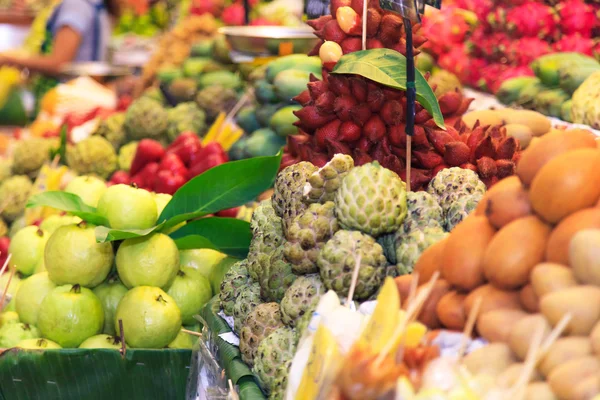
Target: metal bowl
(266,40)
(94,70)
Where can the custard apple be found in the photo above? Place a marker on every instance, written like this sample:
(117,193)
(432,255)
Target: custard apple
(450,184)
(260,323)
(14,193)
(276,277)
(216,99)
(304,294)
(267,236)
(323,184)
(183,89)
(410,246)
(338,260)
(30,155)
(423,212)
(289,189)
(273,351)
(460,209)
(371,199)
(280,381)
(145,118)
(126,155)
(232,282)
(307,234)
(584,106)
(185,117)
(111,128)
(92,156)
(246,301)
(304,321)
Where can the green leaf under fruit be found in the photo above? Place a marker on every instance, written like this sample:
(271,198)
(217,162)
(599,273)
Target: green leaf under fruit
(388,67)
(225,186)
(106,234)
(67,202)
(227,235)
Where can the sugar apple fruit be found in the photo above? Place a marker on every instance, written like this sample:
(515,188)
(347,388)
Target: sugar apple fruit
(30,155)
(307,234)
(232,282)
(371,199)
(273,351)
(145,118)
(300,297)
(185,117)
(303,322)
(410,246)
(289,190)
(280,381)
(126,155)
(323,184)
(584,106)
(259,324)
(246,301)
(339,257)
(267,236)
(183,89)
(111,128)
(276,277)
(450,184)
(423,211)
(216,99)
(460,209)
(92,156)
(14,193)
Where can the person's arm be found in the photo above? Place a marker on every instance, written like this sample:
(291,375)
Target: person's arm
(64,49)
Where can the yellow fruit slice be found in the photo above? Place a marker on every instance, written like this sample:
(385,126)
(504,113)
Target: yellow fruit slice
(214,130)
(233,137)
(385,318)
(405,389)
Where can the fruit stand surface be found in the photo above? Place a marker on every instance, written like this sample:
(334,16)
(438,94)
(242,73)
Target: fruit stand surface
(94,374)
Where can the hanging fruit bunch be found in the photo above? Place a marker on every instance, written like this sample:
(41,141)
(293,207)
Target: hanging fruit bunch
(353,115)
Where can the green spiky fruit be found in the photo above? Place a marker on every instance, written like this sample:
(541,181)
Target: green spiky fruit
(14,193)
(273,351)
(259,324)
(126,155)
(216,99)
(450,184)
(277,276)
(323,184)
(280,381)
(371,199)
(460,209)
(234,279)
(410,246)
(338,260)
(301,296)
(145,118)
(289,190)
(423,211)
(183,89)
(92,156)
(247,300)
(185,117)
(307,234)
(29,155)
(303,322)
(111,128)
(267,236)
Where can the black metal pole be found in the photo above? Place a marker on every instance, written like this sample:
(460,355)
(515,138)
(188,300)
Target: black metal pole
(411,91)
(246,12)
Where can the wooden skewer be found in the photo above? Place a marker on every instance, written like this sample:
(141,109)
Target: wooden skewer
(191,332)
(232,391)
(5,291)
(354,280)
(469,327)
(364,25)
(412,291)
(5,264)
(123,349)
(555,334)
(239,104)
(518,391)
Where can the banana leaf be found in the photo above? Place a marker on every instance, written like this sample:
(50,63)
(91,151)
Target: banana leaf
(92,374)
(229,356)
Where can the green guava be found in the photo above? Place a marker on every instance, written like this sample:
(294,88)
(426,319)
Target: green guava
(151,318)
(32,292)
(9,317)
(127,207)
(40,266)
(89,188)
(161,199)
(190,294)
(199,262)
(101,341)
(27,248)
(12,334)
(110,294)
(148,261)
(53,222)
(74,257)
(219,271)
(13,288)
(182,341)
(70,314)
(38,344)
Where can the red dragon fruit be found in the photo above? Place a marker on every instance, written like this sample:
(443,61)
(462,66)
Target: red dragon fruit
(458,61)
(577,17)
(576,43)
(523,51)
(489,76)
(481,8)
(444,30)
(532,19)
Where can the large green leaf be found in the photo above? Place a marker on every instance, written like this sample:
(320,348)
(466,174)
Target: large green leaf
(388,67)
(94,374)
(68,202)
(105,234)
(228,235)
(226,186)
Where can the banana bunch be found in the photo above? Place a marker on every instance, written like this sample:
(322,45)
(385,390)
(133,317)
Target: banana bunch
(223,131)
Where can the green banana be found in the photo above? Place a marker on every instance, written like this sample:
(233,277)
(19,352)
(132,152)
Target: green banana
(510,89)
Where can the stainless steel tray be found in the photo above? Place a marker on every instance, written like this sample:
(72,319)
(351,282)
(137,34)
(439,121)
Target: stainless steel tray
(266,40)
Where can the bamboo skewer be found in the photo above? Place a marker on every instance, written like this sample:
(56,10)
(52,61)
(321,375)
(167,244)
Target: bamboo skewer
(5,264)
(5,291)
(198,334)
(355,273)
(364,24)
(469,327)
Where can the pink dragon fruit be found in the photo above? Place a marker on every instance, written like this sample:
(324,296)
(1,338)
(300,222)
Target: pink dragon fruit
(523,51)
(443,30)
(490,46)
(532,19)
(577,17)
(233,14)
(460,64)
(489,76)
(481,8)
(576,43)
